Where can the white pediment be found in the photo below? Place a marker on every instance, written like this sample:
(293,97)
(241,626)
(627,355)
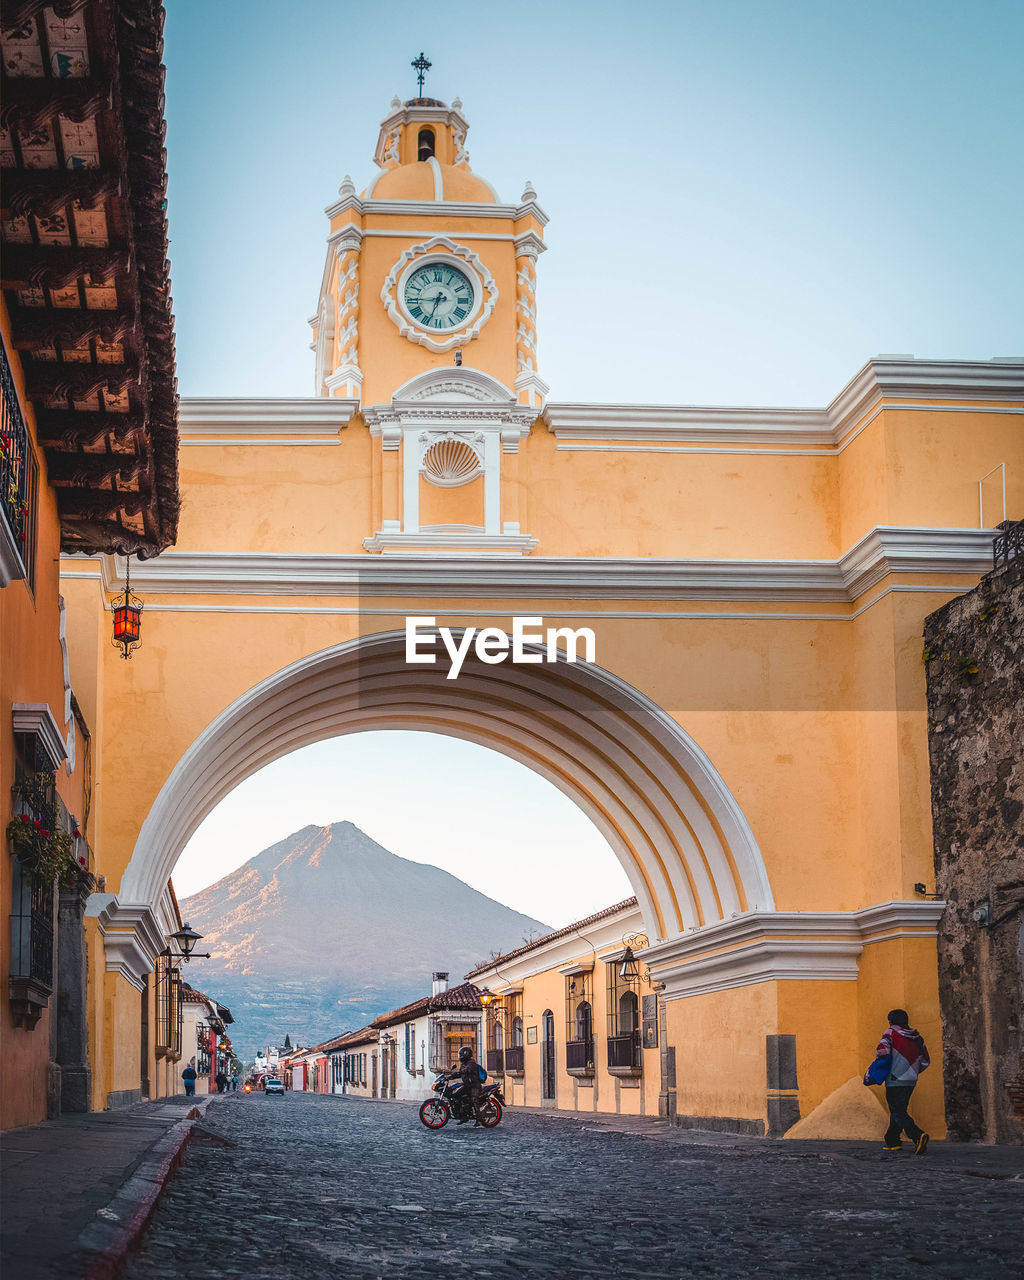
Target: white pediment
(454,386)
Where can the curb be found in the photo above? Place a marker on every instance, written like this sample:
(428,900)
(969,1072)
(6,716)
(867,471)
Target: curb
(105,1243)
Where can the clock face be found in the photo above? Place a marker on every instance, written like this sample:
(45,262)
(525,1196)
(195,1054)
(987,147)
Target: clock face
(439,296)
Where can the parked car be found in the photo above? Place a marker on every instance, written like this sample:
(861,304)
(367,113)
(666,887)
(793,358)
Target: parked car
(274,1085)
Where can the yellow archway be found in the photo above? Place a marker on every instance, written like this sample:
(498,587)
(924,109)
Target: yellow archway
(687,849)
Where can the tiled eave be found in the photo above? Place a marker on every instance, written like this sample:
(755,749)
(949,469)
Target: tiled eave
(85,272)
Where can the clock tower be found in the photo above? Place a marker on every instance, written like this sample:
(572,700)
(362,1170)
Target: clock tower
(425,262)
(427,323)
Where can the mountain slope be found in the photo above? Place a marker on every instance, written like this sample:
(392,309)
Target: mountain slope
(326,929)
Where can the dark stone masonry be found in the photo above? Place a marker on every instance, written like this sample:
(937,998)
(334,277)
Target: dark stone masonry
(974,655)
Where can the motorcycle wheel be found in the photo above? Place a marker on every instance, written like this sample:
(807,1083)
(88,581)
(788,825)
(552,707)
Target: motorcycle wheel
(490,1113)
(434,1113)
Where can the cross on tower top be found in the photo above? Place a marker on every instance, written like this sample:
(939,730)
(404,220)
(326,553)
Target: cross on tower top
(421,66)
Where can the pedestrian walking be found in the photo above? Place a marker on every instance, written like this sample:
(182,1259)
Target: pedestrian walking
(221,1081)
(900,1058)
(234,1082)
(189,1078)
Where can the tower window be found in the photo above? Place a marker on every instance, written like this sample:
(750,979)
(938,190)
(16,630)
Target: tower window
(425,145)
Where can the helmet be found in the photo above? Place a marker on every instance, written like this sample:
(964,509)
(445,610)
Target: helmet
(465,1053)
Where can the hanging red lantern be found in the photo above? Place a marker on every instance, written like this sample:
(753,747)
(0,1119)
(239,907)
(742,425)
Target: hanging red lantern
(127,617)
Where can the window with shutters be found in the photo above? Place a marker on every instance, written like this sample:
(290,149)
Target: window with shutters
(410,1048)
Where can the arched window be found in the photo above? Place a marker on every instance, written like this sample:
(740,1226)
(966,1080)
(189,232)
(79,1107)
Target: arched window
(629,1020)
(517,1033)
(425,144)
(584,1021)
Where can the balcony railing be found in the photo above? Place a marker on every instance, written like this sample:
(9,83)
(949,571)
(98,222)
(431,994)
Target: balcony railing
(495,1063)
(1008,546)
(14,453)
(514,1060)
(579,1057)
(624,1055)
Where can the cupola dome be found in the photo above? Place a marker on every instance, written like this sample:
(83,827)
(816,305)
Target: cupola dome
(421,151)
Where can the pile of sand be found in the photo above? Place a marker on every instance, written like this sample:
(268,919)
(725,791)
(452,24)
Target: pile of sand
(852,1111)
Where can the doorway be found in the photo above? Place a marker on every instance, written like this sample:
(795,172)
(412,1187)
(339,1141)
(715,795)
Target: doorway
(547,1059)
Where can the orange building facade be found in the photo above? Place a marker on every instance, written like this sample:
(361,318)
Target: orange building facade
(88,463)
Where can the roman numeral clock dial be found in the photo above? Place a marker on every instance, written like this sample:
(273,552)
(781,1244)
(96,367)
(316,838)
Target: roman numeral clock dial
(438,296)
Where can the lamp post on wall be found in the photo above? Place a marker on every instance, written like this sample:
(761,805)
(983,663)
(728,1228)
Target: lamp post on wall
(186,938)
(127,609)
(629,967)
(168,981)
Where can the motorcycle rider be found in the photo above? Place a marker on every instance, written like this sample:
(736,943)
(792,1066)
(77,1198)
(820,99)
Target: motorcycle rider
(468,1071)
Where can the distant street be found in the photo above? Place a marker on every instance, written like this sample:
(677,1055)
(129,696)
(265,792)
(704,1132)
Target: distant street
(309,1187)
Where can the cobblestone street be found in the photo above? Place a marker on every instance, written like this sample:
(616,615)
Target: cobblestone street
(321,1186)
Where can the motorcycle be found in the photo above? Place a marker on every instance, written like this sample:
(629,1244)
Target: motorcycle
(451,1100)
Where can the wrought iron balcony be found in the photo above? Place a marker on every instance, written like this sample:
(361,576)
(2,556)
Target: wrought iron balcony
(14,495)
(579,1057)
(514,1060)
(624,1055)
(1008,546)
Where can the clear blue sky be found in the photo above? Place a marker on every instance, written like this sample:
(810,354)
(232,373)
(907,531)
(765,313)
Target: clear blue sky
(747,199)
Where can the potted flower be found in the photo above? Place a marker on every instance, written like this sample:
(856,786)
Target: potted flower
(46,852)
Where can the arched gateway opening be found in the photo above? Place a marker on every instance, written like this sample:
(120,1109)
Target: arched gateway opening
(686,847)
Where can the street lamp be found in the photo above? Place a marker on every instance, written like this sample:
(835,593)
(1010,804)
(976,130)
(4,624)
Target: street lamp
(186,938)
(629,968)
(487,997)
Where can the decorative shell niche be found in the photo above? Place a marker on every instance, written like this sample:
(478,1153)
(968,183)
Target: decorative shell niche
(451,480)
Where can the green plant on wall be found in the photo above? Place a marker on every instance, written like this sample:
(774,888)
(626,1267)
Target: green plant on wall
(37,836)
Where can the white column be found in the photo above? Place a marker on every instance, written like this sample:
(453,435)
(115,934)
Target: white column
(492,482)
(410,481)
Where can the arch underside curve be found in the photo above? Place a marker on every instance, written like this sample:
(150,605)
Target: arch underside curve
(685,845)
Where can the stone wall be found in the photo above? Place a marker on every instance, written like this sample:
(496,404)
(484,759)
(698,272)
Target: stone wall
(974,654)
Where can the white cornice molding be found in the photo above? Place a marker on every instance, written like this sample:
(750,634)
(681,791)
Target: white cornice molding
(529,245)
(531,209)
(132,937)
(466,574)
(36,719)
(782,946)
(910,379)
(664,423)
(350,236)
(369,206)
(880,379)
(348,201)
(888,549)
(308,416)
(439,208)
(458,398)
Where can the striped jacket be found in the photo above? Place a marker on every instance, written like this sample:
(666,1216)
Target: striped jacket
(909,1054)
